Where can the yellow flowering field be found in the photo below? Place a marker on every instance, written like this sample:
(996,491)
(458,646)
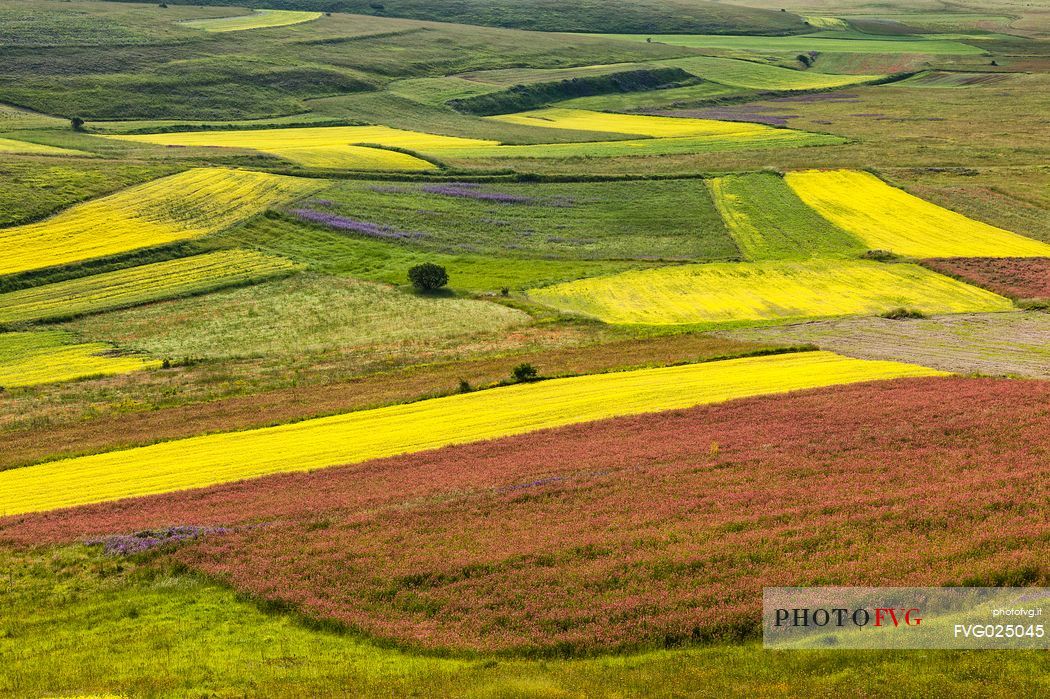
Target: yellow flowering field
(11,145)
(258,19)
(638,124)
(29,358)
(323,146)
(142,284)
(461,418)
(765,290)
(887,218)
(188,205)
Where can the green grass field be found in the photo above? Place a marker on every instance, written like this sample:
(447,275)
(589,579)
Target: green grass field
(296,316)
(333,252)
(572,221)
(768,222)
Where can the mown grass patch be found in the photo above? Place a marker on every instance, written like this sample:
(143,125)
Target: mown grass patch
(992,344)
(356,437)
(30,358)
(188,205)
(769,222)
(765,291)
(887,218)
(142,284)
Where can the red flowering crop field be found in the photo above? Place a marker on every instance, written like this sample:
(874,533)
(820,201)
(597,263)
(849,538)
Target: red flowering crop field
(641,531)
(1017,277)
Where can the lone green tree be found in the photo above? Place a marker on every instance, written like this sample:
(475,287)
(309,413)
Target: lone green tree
(77,123)
(428,277)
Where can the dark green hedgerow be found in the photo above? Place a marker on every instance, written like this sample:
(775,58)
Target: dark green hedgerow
(522,97)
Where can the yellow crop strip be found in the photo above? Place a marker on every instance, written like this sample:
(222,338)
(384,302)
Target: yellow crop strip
(258,19)
(11,145)
(768,290)
(887,218)
(180,207)
(654,126)
(29,358)
(140,284)
(368,434)
(323,146)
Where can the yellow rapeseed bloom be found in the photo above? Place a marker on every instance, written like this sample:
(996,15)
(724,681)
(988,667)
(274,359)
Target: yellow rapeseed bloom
(11,145)
(358,436)
(886,218)
(655,126)
(29,358)
(323,146)
(767,290)
(188,205)
(258,19)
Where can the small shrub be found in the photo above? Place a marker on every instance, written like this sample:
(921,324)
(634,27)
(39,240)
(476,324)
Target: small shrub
(880,255)
(77,123)
(428,276)
(805,59)
(524,372)
(505,291)
(903,314)
(464,386)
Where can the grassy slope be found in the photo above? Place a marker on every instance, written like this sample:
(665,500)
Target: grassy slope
(297,316)
(31,188)
(698,16)
(273,70)
(127,627)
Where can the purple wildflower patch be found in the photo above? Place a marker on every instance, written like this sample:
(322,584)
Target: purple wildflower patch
(373,230)
(130,544)
(468,190)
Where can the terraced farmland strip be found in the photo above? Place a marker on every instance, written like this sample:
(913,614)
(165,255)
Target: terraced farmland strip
(356,437)
(887,218)
(638,124)
(322,146)
(29,358)
(999,344)
(769,222)
(775,290)
(135,285)
(1019,278)
(634,530)
(760,76)
(188,205)
(11,145)
(258,19)
(773,138)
